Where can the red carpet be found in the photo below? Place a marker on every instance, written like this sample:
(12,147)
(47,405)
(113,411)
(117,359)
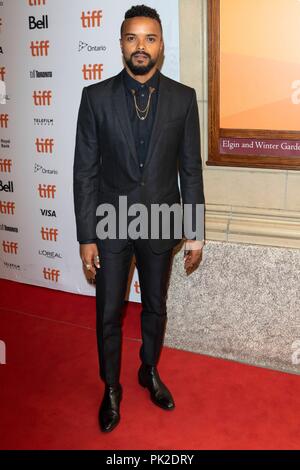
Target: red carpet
(50,391)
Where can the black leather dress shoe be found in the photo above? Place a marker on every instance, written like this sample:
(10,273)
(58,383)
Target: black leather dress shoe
(160,395)
(109,411)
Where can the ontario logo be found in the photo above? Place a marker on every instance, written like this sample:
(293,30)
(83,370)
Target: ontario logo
(90,48)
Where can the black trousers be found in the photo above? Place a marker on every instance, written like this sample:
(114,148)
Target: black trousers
(111,283)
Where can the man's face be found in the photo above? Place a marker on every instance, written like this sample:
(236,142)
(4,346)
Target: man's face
(141,44)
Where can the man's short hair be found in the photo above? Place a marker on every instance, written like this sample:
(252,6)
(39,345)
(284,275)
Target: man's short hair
(141,10)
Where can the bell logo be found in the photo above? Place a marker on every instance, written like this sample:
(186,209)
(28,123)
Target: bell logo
(5,165)
(38,24)
(3,121)
(47,191)
(10,247)
(42,98)
(49,234)
(39,48)
(7,207)
(92,72)
(51,274)
(44,145)
(91,19)
(36,3)
(2,73)
(2,353)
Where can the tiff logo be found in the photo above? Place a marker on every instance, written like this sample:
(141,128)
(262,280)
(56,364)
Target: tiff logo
(44,145)
(91,19)
(2,73)
(7,207)
(5,165)
(39,48)
(38,24)
(51,274)
(42,98)
(36,3)
(2,353)
(92,72)
(4,121)
(47,191)
(49,234)
(10,247)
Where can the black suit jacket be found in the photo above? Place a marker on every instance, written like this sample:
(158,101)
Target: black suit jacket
(106,163)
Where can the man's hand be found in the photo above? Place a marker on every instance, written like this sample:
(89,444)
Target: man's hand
(192,255)
(90,259)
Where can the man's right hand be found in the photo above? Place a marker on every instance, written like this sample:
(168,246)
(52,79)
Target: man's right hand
(90,258)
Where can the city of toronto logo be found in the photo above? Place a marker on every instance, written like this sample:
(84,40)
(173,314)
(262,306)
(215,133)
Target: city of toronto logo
(166,221)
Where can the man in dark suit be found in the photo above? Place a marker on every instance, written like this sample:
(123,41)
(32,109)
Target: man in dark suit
(134,132)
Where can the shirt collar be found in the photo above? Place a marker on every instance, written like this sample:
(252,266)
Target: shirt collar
(137,86)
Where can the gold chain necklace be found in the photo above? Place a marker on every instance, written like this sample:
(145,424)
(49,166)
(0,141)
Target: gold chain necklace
(139,110)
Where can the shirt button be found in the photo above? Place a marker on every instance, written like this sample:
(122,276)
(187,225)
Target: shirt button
(142,95)
(142,141)
(141,165)
(142,183)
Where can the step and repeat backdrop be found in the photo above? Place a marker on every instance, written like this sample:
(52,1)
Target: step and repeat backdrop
(49,50)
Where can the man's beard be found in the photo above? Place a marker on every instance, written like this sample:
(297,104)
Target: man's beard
(140,69)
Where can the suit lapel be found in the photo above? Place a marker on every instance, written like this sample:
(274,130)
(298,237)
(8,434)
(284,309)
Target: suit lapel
(121,111)
(161,116)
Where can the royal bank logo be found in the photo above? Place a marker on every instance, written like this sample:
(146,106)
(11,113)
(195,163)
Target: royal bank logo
(38,74)
(38,24)
(92,71)
(5,143)
(9,247)
(44,171)
(91,19)
(84,46)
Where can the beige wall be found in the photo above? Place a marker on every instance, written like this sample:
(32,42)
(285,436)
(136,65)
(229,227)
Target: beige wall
(245,205)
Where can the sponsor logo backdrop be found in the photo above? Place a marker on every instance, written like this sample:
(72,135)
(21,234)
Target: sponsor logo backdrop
(49,50)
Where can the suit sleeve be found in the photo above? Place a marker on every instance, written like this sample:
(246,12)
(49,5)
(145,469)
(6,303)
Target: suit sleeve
(190,174)
(86,171)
